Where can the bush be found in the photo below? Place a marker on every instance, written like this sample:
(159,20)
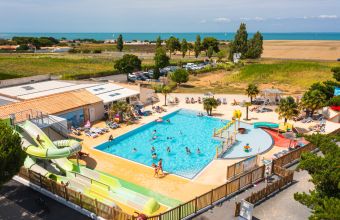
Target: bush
(97,51)
(335,101)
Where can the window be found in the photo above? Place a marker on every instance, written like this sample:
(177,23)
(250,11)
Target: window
(98,89)
(114,94)
(27,87)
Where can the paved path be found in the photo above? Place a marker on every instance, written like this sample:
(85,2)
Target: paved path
(280,206)
(18,202)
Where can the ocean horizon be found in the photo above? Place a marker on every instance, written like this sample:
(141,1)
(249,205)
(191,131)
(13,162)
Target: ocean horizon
(190,36)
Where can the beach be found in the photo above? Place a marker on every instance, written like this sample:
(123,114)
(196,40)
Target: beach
(302,49)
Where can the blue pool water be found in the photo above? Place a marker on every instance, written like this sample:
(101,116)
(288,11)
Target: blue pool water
(184,130)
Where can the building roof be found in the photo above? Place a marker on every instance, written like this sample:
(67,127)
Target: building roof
(5,100)
(52,104)
(111,92)
(40,89)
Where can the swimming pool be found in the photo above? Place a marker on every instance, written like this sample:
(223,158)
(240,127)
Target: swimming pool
(185,129)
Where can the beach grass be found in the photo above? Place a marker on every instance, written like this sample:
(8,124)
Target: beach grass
(300,74)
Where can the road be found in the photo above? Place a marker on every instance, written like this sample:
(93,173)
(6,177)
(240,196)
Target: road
(18,202)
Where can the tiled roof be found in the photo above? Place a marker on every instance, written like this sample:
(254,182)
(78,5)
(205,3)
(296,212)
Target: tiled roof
(52,104)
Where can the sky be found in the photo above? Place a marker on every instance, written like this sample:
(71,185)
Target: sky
(169,15)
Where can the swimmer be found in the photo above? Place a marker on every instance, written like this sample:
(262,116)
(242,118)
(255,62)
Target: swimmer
(168,120)
(198,151)
(168,149)
(153,149)
(154,156)
(134,150)
(154,137)
(187,150)
(154,132)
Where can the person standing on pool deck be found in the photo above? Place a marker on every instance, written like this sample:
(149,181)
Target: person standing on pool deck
(156,169)
(160,166)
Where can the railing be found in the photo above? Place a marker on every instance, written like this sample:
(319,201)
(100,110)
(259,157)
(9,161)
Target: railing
(92,205)
(278,168)
(208,199)
(90,180)
(241,167)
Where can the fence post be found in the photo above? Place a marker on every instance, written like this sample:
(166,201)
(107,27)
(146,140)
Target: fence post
(195,204)
(180,211)
(81,199)
(66,193)
(211,197)
(96,204)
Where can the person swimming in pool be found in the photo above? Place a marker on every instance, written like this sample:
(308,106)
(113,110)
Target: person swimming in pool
(153,149)
(154,156)
(198,151)
(134,150)
(187,150)
(154,132)
(168,149)
(168,120)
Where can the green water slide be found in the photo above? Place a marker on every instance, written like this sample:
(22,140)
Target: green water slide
(97,185)
(265,125)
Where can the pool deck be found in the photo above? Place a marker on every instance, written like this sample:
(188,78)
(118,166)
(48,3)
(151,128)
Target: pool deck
(171,185)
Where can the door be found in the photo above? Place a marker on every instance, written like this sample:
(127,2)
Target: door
(92,114)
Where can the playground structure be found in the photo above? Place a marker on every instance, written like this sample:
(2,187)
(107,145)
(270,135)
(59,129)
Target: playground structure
(228,134)
(282,127)
(96,185)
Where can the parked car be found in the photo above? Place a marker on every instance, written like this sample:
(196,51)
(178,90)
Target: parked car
(132,77)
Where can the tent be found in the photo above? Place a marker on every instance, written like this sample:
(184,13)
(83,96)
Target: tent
(273,95)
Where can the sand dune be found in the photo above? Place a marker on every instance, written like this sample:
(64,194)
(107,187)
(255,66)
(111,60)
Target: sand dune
(302,49)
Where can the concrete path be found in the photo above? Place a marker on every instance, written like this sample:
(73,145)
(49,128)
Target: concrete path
(280,206)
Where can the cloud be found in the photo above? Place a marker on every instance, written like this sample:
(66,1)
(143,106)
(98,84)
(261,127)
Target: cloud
(222,20)
(328,16)
(252,19)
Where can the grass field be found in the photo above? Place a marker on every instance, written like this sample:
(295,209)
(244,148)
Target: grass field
(292,77)
(19,65)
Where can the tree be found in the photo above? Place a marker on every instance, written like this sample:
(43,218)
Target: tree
(209,104)
(210,52)
(190,48)
(247,104)
(197,46)
(156,73)
(180,76)
(287,109)
(336,73)
(313,100)
(255,46)
(164,89)
(120,43)
(158,42)
(172,45)
(252,91)
(324,199)
(210,42)
(184,47)
(160,58)
(220,55)
(128,63)
(11,155)
(326,87)
(239,44)
(119,107)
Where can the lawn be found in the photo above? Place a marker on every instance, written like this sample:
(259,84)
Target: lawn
(293,77)
(20,65)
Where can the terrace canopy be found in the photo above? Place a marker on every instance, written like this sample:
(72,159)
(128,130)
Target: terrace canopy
(273,95)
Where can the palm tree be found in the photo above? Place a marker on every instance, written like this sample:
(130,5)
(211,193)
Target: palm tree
(209,104)
(247,104)
(313,100)
(252,91)
(119,108)
(287,109)
(164,89)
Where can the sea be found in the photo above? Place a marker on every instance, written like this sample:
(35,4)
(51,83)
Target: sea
(188,36)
